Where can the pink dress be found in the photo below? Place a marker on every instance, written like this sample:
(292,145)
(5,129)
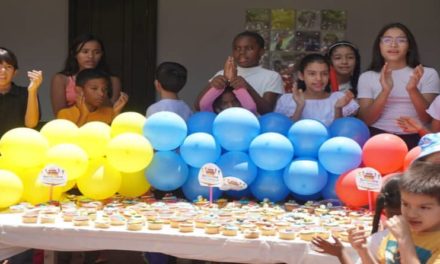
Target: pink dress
(70,91)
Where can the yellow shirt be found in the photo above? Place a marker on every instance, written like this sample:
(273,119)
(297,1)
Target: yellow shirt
(104,114)
(427,248)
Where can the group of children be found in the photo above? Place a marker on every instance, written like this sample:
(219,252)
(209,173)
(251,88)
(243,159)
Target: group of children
(392,96)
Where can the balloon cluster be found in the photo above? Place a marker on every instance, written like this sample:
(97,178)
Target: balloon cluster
(100,159)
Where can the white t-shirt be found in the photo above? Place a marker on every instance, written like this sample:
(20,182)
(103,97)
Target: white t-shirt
(399,102)
(171,105)
(261,79)
(318,109)
(434,108)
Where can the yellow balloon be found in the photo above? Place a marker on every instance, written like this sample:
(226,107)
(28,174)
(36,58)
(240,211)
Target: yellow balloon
(134,184)
(129,152)
(100,183)
(69,157)
(69,185)
(93,138)
(36,192)
(60,131)
(11,188)
(23,147)
(127,122)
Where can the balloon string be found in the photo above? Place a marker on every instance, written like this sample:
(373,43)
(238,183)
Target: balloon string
(210,195)
(50,192)
(370,201)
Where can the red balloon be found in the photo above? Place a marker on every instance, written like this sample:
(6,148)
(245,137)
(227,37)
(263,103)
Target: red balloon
(410,157)
(384,152)
(347,191)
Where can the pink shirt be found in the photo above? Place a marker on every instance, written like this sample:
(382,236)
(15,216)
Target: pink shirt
(242,95)
(70,91)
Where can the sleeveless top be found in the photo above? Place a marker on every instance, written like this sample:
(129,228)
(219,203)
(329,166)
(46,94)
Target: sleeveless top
(70,91)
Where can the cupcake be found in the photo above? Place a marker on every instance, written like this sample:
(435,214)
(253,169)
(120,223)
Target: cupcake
(47,218)
(186,227)
(69,213)
(117,220)
(30,217)
(176,221)
(155,225)
(306,235)
(268,230)
(80,220)
(212,228)
(230,230)
(286,234)
(102,222)
(252,233)
(201,222)
(135,224)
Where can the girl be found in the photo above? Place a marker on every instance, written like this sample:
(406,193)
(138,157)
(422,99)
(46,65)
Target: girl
(86,52)
(312,98)
(346,66)
(396,84)
(387,203)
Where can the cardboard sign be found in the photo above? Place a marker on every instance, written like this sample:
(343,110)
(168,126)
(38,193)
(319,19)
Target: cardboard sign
(210,175)
(53,175)
(368,179)
(232,183)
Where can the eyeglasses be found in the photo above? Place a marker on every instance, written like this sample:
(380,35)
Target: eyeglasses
(397,40)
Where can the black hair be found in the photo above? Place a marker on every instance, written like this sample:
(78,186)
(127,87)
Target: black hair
(71,66)
(251,34)
(172,76)
(412,56)
(9,57)
(217,102)
(357,67)
(305,61)
(422,178)
(89,74)
(388,200)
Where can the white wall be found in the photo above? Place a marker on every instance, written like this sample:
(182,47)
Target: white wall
(198,33)
(36,31)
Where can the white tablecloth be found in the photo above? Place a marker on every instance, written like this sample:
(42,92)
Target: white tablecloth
(63,236)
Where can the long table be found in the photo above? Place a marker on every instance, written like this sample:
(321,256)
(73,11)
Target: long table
(63,236)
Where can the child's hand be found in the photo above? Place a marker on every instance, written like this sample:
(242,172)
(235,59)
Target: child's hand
(386,79)
(343,101)
(120,103)
(81,104)
(239,82)
(399,227)
(408,124)
(219,82)
(358,238)
(298,96)
(415,78)
(324,246)
(230,69)
(35,78)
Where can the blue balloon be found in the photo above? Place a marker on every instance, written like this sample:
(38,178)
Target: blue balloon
(238,164)
(201,122)
(329,192)
(270,185)
(350,127)
(200,148)
(271,151)
(192,188)
(340,154)
(305,176)
(275,122)
(235,128)
(306,198)
(167,171)
(165,130)
(307,136)
(246,193)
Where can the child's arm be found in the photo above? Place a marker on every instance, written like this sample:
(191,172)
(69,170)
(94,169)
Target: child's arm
(399,227)
(208,99)
(420,101)
(342,102)
(245,99)
(298,97)
(116,89)
(409,124)
(358,240)
(335,249)
(120,103)
(32,115)
(83,110)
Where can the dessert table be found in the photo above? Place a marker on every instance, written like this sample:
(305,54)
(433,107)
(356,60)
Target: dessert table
(64,236)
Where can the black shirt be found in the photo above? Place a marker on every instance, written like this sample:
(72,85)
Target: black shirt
(13,108)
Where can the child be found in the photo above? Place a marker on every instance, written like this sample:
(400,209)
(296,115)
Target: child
(170,79)
(312,98)
(19,106)
(346,66)
(216,100)
(263,85)
(396,84)
(387,202)
(92,88)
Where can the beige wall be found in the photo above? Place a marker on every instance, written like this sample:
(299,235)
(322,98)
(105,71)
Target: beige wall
(198,33)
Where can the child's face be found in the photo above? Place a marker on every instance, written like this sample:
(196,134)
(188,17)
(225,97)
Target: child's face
(421,211)
(95,92)
(7,73)
(246,52)
(227,100)
(89,55)
(343,60)
(315,76)
(394,45)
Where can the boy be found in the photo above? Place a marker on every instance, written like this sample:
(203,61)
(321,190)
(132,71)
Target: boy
(263,85)
(414,235)
(170,79)
(92,87)
(19,106)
